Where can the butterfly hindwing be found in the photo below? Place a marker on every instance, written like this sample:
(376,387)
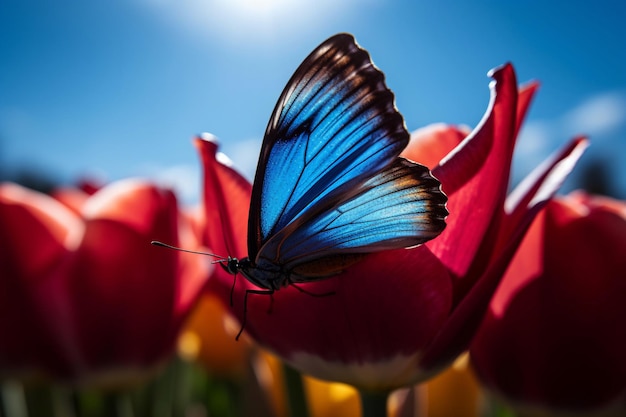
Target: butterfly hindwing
(334,126)
(401,206)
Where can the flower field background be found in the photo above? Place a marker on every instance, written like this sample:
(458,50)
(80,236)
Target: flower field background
(515,310)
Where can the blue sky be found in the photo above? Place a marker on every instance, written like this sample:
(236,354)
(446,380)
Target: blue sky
(117,88)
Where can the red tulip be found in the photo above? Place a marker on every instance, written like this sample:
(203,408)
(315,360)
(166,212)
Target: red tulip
(398,316)
(75,197)
(84,296)
(554,337)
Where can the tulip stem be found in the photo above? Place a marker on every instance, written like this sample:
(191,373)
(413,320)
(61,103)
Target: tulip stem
(118,404)
(62,402)
(13,400)
(295,392)
(373,404)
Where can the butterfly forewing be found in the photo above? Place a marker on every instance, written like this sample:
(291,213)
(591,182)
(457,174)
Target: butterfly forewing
(334,127)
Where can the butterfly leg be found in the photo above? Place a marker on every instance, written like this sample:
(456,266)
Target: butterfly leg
(245,306)
(232,290)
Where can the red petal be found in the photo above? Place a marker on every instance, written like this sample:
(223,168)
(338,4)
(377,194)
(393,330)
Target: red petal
(389,304)
(71,197)
(36,230)
(431,144)
(124,290)
(458,332)
(565,291)
(475,176)
(134,203)
(526,94)
(194,270)
(595,202)
(226,203)
(124,309)
(539,186)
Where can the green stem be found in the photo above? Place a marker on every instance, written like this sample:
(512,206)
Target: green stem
(13,399)
(295,392)
(62,403)
(162,395)
(119,404)
(182,376)
(373,404)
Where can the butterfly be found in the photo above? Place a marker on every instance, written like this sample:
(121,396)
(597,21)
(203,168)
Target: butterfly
(330,186)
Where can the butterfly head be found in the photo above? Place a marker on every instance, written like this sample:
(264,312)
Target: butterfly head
(233,265)
(269,279)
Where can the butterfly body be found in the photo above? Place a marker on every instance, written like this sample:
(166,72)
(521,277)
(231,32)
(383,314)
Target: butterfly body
(266,275)
(272,276)
(330,186)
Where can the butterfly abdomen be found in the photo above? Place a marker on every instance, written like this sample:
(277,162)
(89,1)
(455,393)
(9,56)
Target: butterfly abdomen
(327,266)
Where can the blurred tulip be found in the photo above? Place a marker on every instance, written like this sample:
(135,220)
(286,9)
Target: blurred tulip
(398,317)
(269,372)
(84,297)
(454,392)
(330,399)
(554,340)
(209,339)
(324,399)
(76,197)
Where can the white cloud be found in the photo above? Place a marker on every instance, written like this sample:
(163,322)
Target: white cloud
(597,116)
(244,154)
(186,180)
(536,140)
(183,179)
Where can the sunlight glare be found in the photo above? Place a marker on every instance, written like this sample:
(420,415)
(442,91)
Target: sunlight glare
(262,9)
(252,20)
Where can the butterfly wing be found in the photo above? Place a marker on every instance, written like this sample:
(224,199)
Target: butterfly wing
(401,206)
(335,125)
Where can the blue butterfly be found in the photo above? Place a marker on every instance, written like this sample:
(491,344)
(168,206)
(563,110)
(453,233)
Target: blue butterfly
(330,186)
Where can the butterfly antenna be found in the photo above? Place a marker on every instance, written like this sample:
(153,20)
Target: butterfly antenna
(165,245)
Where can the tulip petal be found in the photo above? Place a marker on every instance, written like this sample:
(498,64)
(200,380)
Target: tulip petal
(226,202)
(73,198)
(475,176)
(38,231)
(456,335)
(108,256)
(588,202)
(565,292)
(91,295)
(115,202)
(525,97)
(431,144)
(196,272)
(540,185)
(213,343)
(385,308)
(121,221)
(38,225)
